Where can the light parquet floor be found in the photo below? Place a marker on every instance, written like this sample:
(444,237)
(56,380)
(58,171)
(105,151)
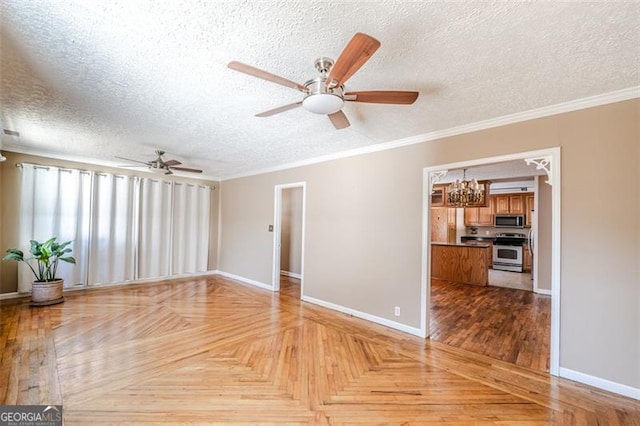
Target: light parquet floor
(211,350)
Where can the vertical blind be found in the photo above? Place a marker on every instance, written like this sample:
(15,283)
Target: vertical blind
(122,228)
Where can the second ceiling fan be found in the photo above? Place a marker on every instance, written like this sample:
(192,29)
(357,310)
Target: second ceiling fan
(325,94)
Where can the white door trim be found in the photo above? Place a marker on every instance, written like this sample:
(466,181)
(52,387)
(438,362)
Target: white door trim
(277,228)
(554,178)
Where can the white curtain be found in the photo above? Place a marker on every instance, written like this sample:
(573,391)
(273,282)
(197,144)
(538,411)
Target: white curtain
(191,204)
(113,229)
(122,228)
(154,252)
(55,202)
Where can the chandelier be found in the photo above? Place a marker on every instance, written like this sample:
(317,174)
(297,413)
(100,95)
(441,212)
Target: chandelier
(465,192)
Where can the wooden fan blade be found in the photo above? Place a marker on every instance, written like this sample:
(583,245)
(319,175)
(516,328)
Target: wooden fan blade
(186,169)
(279,109)
(355,54)
(134,161)
(172,163)
(339,120)
(256,72)
(384,97)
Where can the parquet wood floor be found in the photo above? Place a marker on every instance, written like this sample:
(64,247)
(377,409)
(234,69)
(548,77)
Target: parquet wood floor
(214,351)
(502,323)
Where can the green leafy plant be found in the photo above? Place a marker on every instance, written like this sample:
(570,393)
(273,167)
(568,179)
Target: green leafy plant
(46,255)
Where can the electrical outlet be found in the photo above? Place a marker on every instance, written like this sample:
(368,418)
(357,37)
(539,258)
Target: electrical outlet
(270,228)
(396,311)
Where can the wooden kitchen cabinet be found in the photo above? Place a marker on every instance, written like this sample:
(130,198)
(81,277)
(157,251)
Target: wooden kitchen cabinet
(439,195)
(529,205)
(482,243)
(480,216)
(439,224)
(527,260)
(516,204)
(502,204)
(485,214)
(471,216)
(443,225)
(509,203)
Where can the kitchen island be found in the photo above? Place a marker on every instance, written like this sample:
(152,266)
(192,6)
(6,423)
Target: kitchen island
(461,263)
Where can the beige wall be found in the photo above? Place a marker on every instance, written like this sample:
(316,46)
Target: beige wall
(364,227)
(544,242)
(10,212)
(291,226)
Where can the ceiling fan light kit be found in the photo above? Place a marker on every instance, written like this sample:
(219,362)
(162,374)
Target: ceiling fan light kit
(325,94)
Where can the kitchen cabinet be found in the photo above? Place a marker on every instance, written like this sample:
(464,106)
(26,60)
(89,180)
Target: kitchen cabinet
(443,225)
(460,263)
(527,260)
(516,204)
(471,216)
(438,195)
(509,203)
(485,214)
(480,216)
(439,224)
(529,205)
(502,204)
(488,244)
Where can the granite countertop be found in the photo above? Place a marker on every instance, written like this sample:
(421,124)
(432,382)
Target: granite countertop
(478,237)
(460,245)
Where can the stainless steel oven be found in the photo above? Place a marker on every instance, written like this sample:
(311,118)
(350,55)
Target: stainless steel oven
(508,252)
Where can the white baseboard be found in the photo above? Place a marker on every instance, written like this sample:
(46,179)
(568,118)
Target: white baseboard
(245,280)
(140,281)
(542,291)
(597,382)
(291,274)
(378,320)
(13,295)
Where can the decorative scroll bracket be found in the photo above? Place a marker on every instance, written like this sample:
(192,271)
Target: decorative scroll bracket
(436,176)
(542,163)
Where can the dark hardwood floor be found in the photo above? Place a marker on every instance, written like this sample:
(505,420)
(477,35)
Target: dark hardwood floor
(214,351)
(502,323)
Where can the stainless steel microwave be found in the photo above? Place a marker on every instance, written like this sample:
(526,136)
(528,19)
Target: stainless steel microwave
(508,221)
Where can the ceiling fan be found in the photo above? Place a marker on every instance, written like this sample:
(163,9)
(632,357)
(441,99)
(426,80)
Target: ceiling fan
(325,94)
(160,165)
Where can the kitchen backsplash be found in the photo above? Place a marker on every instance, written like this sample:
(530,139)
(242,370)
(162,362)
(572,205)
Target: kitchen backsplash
(490,231)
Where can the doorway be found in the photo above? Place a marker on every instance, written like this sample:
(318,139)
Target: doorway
(547,160)
(288,237)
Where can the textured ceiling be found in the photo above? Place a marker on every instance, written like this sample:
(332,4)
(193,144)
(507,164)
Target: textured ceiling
(96,79)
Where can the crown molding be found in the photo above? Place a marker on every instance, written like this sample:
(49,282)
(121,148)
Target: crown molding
(96,162)
(575,105)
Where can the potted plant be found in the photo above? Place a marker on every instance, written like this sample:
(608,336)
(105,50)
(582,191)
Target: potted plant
(47,289)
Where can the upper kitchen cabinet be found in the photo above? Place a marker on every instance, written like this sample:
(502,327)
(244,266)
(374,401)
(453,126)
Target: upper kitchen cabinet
(438,195)
(480,216)
(509,204)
